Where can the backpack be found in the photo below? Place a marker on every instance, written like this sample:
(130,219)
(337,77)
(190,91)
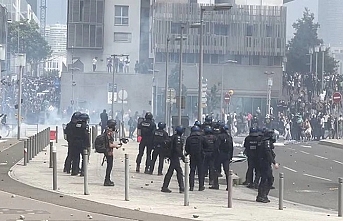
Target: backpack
(101,143)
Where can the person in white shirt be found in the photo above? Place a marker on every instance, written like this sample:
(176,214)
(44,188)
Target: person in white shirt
(94,61)
(126,64)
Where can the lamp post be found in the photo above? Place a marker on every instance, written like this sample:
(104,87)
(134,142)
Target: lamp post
(166,83)
(316,49)
(203,8)
(310,51)
(180,76)
(222,87)
(113,81)
(22,62)
(2,58)
(323,49)
(269,90)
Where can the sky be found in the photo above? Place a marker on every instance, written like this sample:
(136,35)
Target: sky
(57,12)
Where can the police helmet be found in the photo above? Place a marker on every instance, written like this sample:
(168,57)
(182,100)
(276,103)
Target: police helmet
(253,131)
(76,116)
(197,123)
(112,124)
(226,127)
(161,125)
(84,117)
(208,119)
(179,130)
(195,128)
(208,129)
(148,115)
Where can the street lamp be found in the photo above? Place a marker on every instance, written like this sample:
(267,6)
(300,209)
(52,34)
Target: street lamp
(222,87)
(310,51)
(21,58)
(113,81)
(203,8)
(269,90)
(166,83)
(316,49)
(323,49)
(2,58)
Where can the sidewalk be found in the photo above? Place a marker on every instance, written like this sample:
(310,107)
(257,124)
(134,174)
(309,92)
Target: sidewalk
(338,143)
(145,192)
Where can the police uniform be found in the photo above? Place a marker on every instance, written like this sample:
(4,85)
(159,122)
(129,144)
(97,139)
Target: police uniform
(147,128)
(209,156)
(159,141)
(177,152)
(194,147)
(251,145)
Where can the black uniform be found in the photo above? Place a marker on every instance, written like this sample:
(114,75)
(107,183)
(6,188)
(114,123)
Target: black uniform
(104,119)
(251,145)
(177,152)
(223,156)
(147,128)
(194,147)
(266,157)
(209,156)
(80,142)
(70,138)
(160,139)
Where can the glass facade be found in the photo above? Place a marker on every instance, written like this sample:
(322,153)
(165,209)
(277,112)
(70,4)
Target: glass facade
(85,24)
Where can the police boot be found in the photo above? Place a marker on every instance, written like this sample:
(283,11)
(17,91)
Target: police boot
(259,197)
(108,183)
(165,190)
(146,170)
(138,168)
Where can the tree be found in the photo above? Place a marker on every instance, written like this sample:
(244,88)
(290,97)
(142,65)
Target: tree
(213,100)
(29,42)
(306,37)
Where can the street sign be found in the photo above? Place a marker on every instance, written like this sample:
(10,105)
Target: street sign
(336,97)
(122,95)
(171,93)
(227,98)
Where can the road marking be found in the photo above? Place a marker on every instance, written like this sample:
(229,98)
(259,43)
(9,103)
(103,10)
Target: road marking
(304,152)
(291,148)
(321,157)
(336,161)
(279,144)
(307,191)
(287,168)
(306,146)
(317,177)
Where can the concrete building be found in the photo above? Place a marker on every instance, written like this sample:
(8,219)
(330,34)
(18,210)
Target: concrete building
(330,18)
(20,9)
(56,36)
(252,35)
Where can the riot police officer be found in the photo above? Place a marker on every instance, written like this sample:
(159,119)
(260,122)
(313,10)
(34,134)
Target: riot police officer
(194,147)
(266,157)
(80,142)
(70,138)
(251,145)
(147,127)
(223,155)
(208,152)
(175,155)
(160,139)
(208,122)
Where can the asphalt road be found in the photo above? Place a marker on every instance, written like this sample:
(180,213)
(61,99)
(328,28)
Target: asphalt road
(311,173)
(53,200)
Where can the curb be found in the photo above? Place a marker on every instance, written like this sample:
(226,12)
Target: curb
(331,144)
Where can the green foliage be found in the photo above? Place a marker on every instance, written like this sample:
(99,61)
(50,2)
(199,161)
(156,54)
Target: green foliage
(306,37)
(30,41)
(213,99)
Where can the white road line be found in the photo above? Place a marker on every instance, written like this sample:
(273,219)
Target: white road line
(291,148)
(306,146)
(317,177)
(287,168)
(321,157)
(336,161)
(304,152)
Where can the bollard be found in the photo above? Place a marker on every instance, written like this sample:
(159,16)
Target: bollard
(229,190)
(34,145)
(37,128)
(127,176)
(31,148)
(54,170)
(96,130)
(48,135)
(51,156)
(39,142)
(56,134)
(25,153)
(85,172)
(28,149)
(93,136)
(340,196)
(186,193)
(281,182)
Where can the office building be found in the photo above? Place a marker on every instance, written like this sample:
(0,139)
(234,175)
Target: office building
(56,36)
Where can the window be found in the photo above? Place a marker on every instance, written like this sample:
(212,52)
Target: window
(121,15)
(122,37)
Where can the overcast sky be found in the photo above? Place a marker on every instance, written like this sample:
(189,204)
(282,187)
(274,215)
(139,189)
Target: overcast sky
(57,12)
